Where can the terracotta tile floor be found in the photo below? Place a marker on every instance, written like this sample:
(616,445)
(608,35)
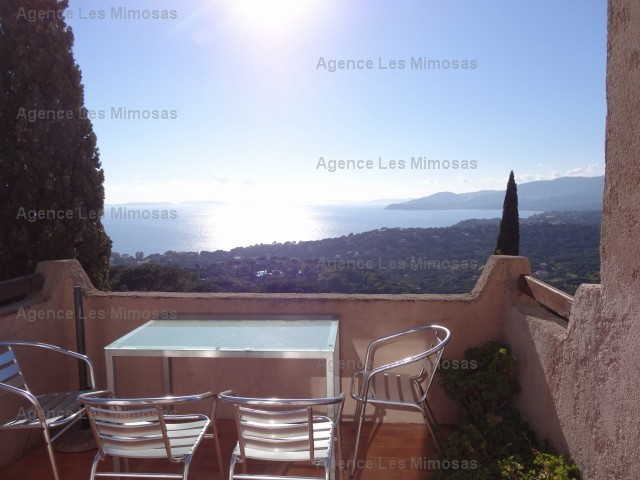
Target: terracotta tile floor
(388,451)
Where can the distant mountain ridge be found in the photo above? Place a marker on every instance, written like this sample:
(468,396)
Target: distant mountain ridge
(561,194)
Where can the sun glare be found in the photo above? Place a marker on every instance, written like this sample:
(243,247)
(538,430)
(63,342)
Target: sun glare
(271,14)
(231,225)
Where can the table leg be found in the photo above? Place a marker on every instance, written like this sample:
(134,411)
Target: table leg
(336,368)
(332,362)
(167,375)
(111,373)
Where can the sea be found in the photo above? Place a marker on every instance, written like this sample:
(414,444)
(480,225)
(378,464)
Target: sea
(196,227)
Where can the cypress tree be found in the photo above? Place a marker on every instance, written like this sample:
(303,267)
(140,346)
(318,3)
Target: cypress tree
(51,180)
(509,236)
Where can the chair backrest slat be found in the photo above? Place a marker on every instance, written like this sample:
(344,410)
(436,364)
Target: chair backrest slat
(430,366)
(119,416)
(10,372)
(275,431)
(392,387)
(112,447)
(119,429)
(130,431)
(281,429)
(12,375)
(277,445)
(7,357)
(265,430)
(275,417)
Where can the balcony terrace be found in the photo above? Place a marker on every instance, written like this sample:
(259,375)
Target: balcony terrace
(497,309)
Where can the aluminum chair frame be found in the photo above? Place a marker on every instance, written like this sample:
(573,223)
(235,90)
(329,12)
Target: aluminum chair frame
(285,430)
(141,428)
(385,386)
(46,411)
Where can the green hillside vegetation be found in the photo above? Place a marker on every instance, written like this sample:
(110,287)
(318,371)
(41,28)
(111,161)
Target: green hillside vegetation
(563,249)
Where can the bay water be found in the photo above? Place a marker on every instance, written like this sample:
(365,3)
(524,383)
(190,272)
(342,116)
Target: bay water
(196,227)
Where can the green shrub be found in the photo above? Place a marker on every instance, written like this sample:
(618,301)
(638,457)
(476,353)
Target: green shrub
(490,434)
(547,467)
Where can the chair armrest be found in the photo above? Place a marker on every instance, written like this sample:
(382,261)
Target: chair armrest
(381,342)
(369,371)
(101,398)
(97,394)
(179,399)
(404,361)
(60,350)
(231,397)
(29,396)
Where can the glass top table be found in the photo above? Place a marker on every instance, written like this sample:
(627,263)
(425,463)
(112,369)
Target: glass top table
(239,336)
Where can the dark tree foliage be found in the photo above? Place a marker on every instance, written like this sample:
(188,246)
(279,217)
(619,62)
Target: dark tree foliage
(509,236)
(51,181)
(154,278)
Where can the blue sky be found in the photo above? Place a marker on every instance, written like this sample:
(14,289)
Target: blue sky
(252,110)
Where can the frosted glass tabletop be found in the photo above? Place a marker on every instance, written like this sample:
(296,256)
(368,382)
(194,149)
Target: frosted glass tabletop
(237,334)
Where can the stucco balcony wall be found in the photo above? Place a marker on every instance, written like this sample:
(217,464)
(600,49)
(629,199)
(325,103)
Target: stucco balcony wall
(537,340)
(579,382)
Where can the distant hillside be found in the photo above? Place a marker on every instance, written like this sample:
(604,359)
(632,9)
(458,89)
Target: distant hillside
(561,194)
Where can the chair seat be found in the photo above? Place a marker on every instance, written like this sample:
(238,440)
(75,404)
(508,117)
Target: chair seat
(322,441)
(182,439)
(59,409)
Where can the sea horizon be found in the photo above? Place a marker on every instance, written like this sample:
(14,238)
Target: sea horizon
(155,228)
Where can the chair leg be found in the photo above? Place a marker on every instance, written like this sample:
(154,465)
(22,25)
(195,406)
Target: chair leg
(94,466)
(216,442)
(328,466)
(430,420)
(333,465)
(356,415)
(232,466)
(216,435)
(187,464)
(338,452)
(52,458)
(359,431)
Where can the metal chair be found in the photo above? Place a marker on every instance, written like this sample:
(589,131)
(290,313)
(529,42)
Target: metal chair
(285,430)
(46,411)
(389,384)
(143,428)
